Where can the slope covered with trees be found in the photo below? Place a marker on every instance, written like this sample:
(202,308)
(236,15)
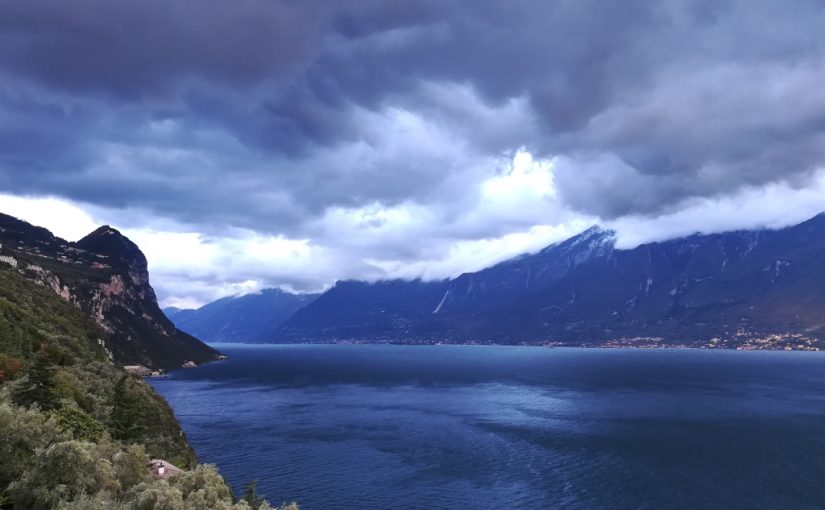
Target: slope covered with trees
(76,430)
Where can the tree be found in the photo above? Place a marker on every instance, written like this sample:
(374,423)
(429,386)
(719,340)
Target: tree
(157,496)
(82,426)
(38,385)
(252,497)
(127,414)
(131,467)
(22,432)
(63,472)
(100,501)
(203,484)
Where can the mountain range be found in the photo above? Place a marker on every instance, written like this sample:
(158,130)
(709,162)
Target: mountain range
(253,318)
(104,275)
(743,289)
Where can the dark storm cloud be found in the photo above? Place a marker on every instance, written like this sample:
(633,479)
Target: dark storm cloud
(264,114)
(142,49)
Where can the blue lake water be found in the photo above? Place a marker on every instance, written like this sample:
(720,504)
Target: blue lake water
(431,427)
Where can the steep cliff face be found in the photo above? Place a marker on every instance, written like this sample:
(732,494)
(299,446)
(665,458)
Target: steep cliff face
(105,275)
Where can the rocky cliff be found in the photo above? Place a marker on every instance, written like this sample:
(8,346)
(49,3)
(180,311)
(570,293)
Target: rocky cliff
(106,276)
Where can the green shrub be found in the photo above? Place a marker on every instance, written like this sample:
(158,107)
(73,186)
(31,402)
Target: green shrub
(131,467)
(82,426)
(22,432)
(63,472)
(100,501)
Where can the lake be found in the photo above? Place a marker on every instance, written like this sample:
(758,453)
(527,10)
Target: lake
(472,427)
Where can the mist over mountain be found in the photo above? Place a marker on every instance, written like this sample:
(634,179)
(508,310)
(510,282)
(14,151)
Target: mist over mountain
(761,288)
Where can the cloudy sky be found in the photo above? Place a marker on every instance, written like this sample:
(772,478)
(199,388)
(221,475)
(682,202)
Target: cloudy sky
(290,143)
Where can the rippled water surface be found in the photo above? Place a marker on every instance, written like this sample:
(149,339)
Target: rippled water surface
(346,427)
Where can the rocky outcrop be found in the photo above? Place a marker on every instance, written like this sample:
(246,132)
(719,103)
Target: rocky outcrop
(105,275)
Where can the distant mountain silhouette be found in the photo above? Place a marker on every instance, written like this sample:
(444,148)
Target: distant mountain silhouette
(251,318)
(386,311)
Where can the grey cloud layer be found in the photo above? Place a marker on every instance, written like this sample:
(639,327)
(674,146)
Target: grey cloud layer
(266,113)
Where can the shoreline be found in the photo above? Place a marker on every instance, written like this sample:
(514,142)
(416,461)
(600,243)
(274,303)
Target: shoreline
(740,347)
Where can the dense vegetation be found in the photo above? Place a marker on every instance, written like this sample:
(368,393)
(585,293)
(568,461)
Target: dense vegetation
(76,431)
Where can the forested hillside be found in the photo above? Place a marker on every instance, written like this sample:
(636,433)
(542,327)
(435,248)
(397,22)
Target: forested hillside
(76,430)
